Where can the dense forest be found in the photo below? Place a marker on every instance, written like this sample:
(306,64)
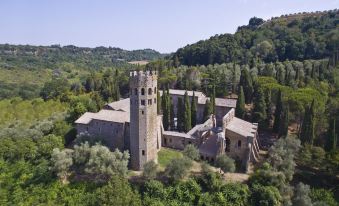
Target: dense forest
(293,37)
(293,96)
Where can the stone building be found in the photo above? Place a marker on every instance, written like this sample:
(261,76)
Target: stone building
(222,105)
(133,124)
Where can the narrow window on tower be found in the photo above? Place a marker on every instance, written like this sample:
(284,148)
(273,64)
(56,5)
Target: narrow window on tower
(142,102)
(136,91)
(143,91)
(239,144)
(149,101)
(149,91)
(143,152)
(155,100)
(155,90)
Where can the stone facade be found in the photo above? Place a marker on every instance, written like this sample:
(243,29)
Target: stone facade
(133,124)
(143,118)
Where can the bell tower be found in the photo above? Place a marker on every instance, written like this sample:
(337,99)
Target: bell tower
(143,118)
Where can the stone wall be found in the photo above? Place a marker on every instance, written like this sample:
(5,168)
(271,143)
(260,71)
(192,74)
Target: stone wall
(112,133)
(143,118)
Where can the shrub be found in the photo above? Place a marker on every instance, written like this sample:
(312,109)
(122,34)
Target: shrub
(226,163)
(178,168)
(191,152)
(150,170)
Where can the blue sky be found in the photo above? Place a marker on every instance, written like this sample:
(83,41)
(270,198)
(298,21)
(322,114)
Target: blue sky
(163,25)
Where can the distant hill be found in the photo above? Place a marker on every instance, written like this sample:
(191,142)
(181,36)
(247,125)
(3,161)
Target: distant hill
(35,57)
(299,36)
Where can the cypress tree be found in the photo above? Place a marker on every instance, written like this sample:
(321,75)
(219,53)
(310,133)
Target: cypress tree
(268,107)
(283,128)
(259,111)
(277,113)
(246,83)
(224,86)
(207,110)
(187,113)
(165,111)
(89,85)
(180,115)
(213,101)
(168,107)
(331,143)
(307,128)
(172,124)
(116,91)
(194,111)
(240,109)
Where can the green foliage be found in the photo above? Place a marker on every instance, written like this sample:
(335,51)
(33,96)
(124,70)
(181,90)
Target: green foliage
(331,143)
(312,156)
(178,168)
(150,170)
(293,37)
(29,112)
(240,108)
(307,134)
(207,110)
(97,161)
(281,156)
(187,113)
(322,196)
(54,88)
(166,106)
(62,161)
(278,112)
(166,155)
(194,111)
(265,196)
(191,152)
(259,111)
(117,192)
(180,115)
(226,163)
(247,85)
(283,127)
(301,195)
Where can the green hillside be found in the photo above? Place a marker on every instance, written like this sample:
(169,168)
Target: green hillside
(295,37)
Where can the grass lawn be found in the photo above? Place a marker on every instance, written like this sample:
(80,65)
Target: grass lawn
(165,155)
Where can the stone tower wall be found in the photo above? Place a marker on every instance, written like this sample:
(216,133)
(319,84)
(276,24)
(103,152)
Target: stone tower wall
(143,118)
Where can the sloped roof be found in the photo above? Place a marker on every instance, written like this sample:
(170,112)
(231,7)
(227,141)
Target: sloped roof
(121,105)
(176,134)
(104,115)
(220,102)
(242,127)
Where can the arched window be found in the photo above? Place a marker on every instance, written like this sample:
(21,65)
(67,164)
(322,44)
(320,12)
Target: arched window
(136,91)
(149,91)
(239,144)
(143,91)
(155,90)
